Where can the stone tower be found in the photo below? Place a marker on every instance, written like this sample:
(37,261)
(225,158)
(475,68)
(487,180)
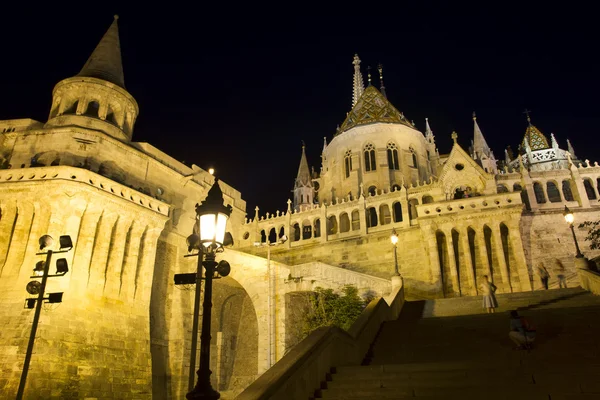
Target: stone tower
(481,152)
(303,187)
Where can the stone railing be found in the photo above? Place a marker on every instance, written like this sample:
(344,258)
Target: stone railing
(313,274)
(470,204)
(300,372)
(590,280)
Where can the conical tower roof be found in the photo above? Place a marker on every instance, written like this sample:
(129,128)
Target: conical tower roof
(536,139)
(373,107)
(304,177)
(105,62)
(480,146)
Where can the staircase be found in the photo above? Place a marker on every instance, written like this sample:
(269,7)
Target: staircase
(447,349)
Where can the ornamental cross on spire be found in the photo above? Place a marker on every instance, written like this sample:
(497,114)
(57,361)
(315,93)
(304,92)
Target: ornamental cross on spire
(359,84)
(527,112)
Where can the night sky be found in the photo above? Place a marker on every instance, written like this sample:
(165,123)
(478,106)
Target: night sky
(239,89)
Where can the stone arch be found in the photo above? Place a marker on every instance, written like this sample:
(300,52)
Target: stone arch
(344,223)
(567,190)
(524,197)
(397,211)
(396,187)
(281,233)
(476,256)
(552,191)
(427,199)
(296,233)
(332,225)
(272,235)
(538,190)
(507,248)
(412,208)
(371,217)
(355,220)
(589,189)
(501,188)
(458,260)
(92,109)
(306,230)
(369,157)
(72,108)
(384,214)
(445,273)
(317,227)
(372,190)
(263,236)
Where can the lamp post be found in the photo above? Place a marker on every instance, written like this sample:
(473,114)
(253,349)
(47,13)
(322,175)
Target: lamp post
(394,239)
(209,232)
(570,218)
(42,270)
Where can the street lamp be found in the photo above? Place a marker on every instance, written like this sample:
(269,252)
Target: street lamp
(209,235)
(394,239)
(570,218)
(42,270)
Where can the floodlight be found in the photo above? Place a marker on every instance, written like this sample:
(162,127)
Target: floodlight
(185,279)
(33,287)
(55,297)
(223,268)
(65,242)
(61,266)
(46,241)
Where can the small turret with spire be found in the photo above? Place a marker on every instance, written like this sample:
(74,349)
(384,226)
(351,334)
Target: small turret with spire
(359,84)
(481,152)
(381,85)
(303,188)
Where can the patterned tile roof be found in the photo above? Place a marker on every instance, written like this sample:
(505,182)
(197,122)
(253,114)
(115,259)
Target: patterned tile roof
(535,138)
(373,107)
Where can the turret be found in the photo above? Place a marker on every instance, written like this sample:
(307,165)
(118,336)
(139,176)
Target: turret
(303,188)
(481,151)
(96,97)
(358,84)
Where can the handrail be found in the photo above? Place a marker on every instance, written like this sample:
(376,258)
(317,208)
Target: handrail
(300,372)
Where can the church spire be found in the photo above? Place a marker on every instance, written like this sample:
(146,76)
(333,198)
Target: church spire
(303,188)
(428,131)
(382,86)
(481,151)
(105,61)
(303,178)
(359,84)
(570,149)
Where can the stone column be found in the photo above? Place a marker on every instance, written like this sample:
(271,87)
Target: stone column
(434,260)
(483,254)
(324,230)
(21,232)
(143,281)
(114,268)
(404,205)
(497,243)
(452,261)
(362,215)
(545,191)
(99,261)
(516,245)
(7,222)
(131,259)
(84,247)
(579,193)
(468,261)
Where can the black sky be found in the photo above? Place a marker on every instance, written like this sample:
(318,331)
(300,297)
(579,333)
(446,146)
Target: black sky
(239,89)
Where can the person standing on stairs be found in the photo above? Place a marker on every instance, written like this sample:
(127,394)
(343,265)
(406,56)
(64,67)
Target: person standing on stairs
(489,298)
(559,270)
(544,275)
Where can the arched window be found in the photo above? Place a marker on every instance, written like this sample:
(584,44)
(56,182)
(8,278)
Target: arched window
(553,193)
(372,190)
(589,189)
(384,214)
(72,109)
(110,116)
(263,236)
(281,232)
(371,217)
(566,189)
(395,187)
(92,109)
(370,163)
(344,223)
(306,230)
(332,226)
(501,189)
(348,162)
(524,196)
(412,208)
(392,156)
(427,199)
(397,209)
(296,232)
(413,154)
(272,236)
(539,193)
(355,220)
(318,228)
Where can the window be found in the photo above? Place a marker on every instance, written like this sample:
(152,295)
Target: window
(392,155)
(414,158)
(370,157)
(348,162)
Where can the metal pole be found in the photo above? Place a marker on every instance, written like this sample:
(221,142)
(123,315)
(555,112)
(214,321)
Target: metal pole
(203,389)
(194,351)
(36,319)
(271,314)
(396,272)
(578,255)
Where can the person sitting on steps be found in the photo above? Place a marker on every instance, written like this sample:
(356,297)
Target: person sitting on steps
(522,332)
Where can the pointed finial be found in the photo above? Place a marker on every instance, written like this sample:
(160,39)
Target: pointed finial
(454,136)
(474,116)
(527,112)
(359,85)
(382,86)
(116,16)
(369,74)
(303,145)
